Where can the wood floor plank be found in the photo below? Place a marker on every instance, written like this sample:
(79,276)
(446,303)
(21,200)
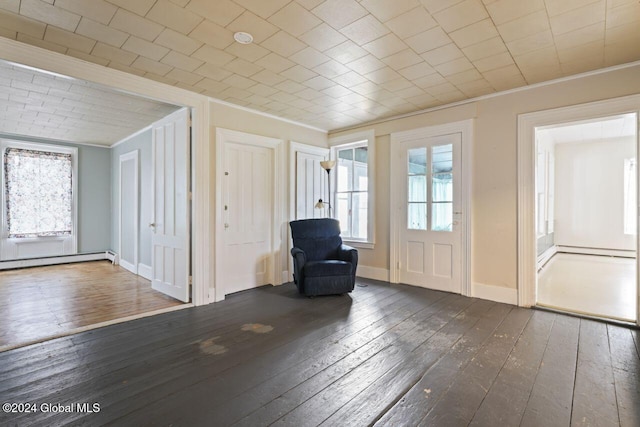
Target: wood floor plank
(507,398)
(552,394)
(460,402)
(626,373)
(594,399)
(416,403)
(390,354)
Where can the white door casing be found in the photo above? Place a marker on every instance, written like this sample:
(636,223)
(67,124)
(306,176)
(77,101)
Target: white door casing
(249,211)
(170,255)
(420,255)
(527,124)
(128,218)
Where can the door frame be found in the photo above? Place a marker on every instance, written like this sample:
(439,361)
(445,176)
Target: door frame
(279,225)
(128,157)
(465,129)
(526,146)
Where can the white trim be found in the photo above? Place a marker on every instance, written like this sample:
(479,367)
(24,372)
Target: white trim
(595,251)
(465,128)
(492,95)
(495,293)
(127,138)
(42,59)
(7,135)
(279,179)
(355,139)
(526,155)
(131,265)
(374,273)
(359,244)
(263,114)
(66,259)
(145,271)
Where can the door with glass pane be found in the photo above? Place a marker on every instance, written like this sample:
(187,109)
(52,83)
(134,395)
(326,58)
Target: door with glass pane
(430,235)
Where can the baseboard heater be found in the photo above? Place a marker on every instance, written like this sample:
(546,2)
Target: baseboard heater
(112,256)
(63,259)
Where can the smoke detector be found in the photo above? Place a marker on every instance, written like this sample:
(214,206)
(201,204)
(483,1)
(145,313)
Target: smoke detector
(242,37)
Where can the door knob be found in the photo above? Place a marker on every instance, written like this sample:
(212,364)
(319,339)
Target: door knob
(152,225)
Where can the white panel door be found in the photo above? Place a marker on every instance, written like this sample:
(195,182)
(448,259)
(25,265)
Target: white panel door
(248,217)
(311,183)
(430,233)
(170,222)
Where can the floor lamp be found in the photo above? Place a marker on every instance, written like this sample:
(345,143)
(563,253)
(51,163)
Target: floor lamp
(326,165)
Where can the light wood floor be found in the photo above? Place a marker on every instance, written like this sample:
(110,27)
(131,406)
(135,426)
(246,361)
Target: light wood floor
(41,302)
(588,284)
(389,355)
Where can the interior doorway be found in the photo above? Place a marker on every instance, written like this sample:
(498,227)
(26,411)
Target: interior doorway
(586,216)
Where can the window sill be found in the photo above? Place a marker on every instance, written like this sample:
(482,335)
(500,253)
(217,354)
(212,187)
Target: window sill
(359,244)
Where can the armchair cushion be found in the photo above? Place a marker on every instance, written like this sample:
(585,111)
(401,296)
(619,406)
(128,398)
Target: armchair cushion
(327,268)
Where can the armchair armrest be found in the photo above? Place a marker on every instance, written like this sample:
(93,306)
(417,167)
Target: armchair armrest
(349,254)
(299,259)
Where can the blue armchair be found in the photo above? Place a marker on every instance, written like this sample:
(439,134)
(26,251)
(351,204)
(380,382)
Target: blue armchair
(322,264)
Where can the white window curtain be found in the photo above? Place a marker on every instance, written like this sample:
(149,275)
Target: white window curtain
(38,190)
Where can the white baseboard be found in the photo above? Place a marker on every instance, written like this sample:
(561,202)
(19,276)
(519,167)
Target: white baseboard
(595,251)
(37,262)
(128,266)
(144,270)
(374,273)
(495,293)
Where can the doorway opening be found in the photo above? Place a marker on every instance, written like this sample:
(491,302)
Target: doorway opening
(586,216)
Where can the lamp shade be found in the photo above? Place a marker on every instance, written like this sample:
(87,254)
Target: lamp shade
(328,164)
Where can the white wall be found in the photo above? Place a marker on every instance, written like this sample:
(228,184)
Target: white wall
(589,195)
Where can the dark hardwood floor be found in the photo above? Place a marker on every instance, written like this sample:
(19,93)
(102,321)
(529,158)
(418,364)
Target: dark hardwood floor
(389,355)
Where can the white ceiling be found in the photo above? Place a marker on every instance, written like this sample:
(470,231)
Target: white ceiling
(336,63)
(593,130)
(43,105)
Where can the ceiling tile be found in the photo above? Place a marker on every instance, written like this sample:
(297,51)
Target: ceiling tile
(263,9)
(319,83)
(20,23)
(503,11)
(346,52)
(184,76)
(385,46)
(222,12)
(453,67)
(331,69)
(213,56)
(484,49)
(298,74)
(275,63)
(385,10)
(323,37)
(283,44)
(492,62)
(140,7)
(177,41)
(250,52)
(366,64)
(111,53)
(461,15)
(212,34)
(578,18)
(181,61)
(349,79)
(442,54)
(474,33)
(309,57)
(428,40)
(53,15)
(364,30)
(239,82)
(211,71)
(402,59)
(412,22)
(531,43)
(144,48)
(581,36)
(173,16)
(269,78)
(339,13)
(558,7)
(623,15)
(417,71)
(294,19)
(98,10)
(242,67)
(528,25)
(253,24)
(24,38)
(10,5)
(131,23)
(101,33)
(69,39)
(151,66)
(434,6)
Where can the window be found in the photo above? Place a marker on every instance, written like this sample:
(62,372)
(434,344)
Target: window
(38,191)
(354,184)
